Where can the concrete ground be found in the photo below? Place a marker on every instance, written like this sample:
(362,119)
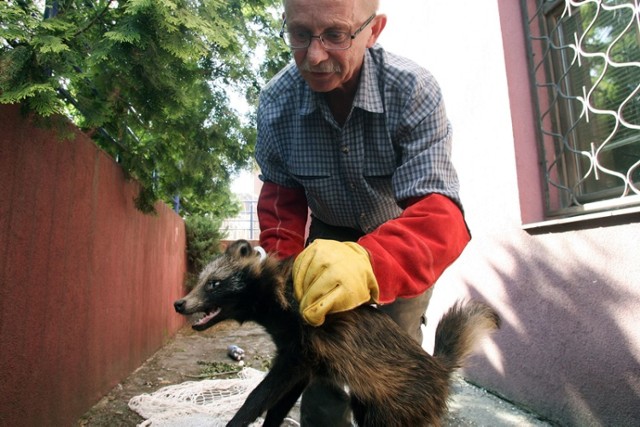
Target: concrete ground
(193,356)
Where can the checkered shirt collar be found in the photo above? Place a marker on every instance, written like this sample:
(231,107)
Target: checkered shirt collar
(368,96)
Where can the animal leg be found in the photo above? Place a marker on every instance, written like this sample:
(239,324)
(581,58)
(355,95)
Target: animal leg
(279,411)
(278,383)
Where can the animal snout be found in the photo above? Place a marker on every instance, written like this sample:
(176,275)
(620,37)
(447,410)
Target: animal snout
(180,305)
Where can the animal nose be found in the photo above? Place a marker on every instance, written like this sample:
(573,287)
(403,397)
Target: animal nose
(179,305)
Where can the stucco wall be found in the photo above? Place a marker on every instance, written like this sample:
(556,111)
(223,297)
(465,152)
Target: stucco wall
(569,297)
(86,280)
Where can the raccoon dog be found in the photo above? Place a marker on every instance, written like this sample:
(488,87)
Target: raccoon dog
(392,381)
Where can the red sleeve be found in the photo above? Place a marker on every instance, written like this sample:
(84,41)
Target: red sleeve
(409,253)
(282,213)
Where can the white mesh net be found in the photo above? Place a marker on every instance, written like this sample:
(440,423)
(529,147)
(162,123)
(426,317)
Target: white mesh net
(197,403)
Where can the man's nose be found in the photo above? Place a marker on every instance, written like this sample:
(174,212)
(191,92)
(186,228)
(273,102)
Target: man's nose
(316,51)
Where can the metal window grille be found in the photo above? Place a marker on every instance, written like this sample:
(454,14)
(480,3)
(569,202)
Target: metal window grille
(584,59)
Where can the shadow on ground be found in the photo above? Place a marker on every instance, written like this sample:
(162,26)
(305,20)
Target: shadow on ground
(191,356)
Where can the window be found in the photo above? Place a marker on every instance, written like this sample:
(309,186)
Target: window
(585,67)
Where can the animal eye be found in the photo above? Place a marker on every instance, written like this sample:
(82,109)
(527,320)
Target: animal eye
(212,284)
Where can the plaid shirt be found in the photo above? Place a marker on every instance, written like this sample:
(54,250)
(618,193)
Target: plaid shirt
(395,144)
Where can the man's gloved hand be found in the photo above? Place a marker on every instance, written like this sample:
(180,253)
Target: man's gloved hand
(330,277)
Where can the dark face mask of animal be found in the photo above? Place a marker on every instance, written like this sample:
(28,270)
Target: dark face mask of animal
(224,289)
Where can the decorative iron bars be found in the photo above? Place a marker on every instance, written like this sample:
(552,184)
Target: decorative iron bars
(585,67)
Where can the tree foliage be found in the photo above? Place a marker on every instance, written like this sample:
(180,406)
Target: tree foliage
(204,238)
(150,81)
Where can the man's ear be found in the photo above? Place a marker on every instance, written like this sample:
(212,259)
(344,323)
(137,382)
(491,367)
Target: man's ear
(377,25)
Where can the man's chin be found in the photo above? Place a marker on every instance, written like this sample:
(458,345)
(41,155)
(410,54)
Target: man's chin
(321,82)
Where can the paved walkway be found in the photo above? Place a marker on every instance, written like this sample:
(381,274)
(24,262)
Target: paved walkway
(191,356)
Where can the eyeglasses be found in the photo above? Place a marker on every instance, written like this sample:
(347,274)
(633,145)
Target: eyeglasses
(331,40)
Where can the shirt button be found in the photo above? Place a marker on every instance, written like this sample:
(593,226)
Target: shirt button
(345,149)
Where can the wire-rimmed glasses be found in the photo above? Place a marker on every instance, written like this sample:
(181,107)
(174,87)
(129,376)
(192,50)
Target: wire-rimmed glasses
(331,40)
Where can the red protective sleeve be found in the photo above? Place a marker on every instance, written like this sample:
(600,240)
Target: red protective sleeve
(282,213)
(410,252)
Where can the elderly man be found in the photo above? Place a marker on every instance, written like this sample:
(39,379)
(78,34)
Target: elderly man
(359,137)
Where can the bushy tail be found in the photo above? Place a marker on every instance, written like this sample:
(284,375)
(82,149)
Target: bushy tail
(461,328)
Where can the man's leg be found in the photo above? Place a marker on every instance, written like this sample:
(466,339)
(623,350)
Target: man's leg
(325,404)
(410,313)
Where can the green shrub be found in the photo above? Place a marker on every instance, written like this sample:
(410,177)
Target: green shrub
(203,243)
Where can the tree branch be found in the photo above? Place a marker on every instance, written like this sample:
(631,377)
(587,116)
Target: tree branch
(93,21)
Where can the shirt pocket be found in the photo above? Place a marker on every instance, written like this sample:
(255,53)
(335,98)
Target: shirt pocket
(380,160)
(310,159)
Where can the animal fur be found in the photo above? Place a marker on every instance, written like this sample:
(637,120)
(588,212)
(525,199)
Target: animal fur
(391,379)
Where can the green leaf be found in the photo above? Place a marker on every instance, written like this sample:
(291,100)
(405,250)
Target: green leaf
(26,91)
(122,37)
(49,44)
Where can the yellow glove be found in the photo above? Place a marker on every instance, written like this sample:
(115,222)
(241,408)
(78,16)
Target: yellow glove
(330,277)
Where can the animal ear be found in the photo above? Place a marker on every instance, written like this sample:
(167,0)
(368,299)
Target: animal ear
(240,249)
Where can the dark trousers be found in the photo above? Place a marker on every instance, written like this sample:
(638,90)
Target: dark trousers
(326,404)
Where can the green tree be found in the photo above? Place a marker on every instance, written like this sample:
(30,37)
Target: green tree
(149,80)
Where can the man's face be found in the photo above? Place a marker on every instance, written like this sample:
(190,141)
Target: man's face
(328,70)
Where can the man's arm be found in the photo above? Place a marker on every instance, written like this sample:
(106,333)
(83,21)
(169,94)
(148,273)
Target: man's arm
(401,258)
(409,253)
(282,213)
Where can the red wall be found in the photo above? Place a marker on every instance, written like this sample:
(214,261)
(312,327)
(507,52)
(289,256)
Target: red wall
(86,280)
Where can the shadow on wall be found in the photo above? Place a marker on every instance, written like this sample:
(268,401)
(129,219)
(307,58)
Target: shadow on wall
(569,348)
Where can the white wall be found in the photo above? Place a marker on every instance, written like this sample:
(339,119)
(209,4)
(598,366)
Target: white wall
(569,347)
(460,43)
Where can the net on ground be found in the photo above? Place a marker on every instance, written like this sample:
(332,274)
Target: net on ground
(197,403)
